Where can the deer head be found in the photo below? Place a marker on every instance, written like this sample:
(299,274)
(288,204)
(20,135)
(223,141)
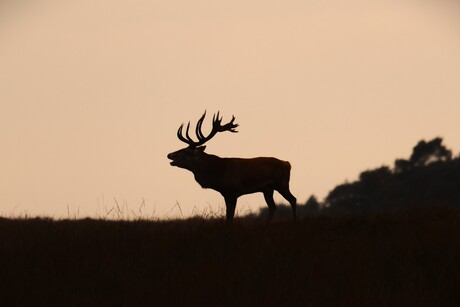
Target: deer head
(190,157)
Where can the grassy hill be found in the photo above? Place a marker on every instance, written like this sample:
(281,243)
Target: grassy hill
(409,258)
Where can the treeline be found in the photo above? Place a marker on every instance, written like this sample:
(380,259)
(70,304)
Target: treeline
(430,177)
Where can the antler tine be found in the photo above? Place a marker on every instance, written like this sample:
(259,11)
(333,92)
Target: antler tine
(230,126)
(198,131)
(217,127)
(216,120)
(187,135)
(233,126)
(180,136)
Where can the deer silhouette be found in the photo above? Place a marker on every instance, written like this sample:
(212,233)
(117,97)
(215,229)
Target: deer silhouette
(232,177)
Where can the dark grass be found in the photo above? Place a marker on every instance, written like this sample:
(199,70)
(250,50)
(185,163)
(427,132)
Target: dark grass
(404,259)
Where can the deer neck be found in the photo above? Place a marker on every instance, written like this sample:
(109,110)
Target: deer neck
(208,170)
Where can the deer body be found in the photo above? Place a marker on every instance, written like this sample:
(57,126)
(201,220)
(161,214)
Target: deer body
(240,176)
(233,177)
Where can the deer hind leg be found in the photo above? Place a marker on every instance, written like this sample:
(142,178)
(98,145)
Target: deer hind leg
(230,203)
(268,194)
(284,191)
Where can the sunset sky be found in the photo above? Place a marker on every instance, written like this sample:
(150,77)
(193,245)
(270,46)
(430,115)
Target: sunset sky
(92,93)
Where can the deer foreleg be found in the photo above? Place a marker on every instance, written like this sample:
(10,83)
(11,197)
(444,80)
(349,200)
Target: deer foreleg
(230,203)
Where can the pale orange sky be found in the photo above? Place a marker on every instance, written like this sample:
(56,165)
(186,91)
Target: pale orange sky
(92,93)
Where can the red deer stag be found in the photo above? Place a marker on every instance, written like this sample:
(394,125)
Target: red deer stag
(232,177)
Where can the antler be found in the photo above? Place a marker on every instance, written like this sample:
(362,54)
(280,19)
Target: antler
(216,127)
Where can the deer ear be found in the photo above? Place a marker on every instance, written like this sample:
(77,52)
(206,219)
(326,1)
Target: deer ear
(202,148)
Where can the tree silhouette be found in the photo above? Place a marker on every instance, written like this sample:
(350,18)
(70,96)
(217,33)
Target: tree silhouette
(423,154)
(428,152)
(312,205)
(430,177)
